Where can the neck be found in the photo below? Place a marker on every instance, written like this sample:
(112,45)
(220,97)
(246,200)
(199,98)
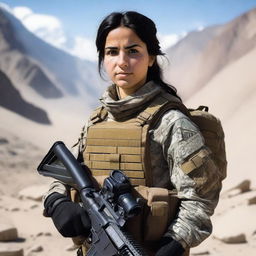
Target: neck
(124,92)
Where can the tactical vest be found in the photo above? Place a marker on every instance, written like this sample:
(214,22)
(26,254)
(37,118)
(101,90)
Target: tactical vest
(115,145)
(124,145)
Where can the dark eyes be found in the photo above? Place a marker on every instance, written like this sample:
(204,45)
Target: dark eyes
(132,50)
(114,52)
(111,52)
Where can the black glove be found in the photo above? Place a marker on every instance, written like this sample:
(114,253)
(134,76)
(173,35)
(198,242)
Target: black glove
(170,247)
(69,218)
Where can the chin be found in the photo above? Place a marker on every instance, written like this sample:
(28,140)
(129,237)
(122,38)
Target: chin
(123,84)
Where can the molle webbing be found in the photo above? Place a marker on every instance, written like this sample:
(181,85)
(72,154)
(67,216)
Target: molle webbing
(112,145)
(115,146)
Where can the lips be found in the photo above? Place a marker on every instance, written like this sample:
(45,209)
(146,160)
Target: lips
(123,73)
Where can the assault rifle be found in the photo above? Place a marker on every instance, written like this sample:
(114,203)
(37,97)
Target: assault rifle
(108,208)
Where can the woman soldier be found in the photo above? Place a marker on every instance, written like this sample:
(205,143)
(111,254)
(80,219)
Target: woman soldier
(134,131)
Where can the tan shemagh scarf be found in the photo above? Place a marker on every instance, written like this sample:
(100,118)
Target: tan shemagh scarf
(122,109)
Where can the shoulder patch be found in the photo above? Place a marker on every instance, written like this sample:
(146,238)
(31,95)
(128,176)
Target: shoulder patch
(186,134)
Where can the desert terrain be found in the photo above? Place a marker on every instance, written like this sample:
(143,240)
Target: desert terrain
(228,88)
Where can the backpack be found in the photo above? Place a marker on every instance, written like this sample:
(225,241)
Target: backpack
(210,128)
(212,131)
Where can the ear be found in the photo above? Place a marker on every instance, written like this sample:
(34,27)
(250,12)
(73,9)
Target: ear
(151,61)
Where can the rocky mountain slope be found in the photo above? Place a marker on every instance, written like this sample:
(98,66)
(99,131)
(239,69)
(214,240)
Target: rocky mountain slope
(10,98)
(49,79)
(38,69)
(184,58)
(198,57)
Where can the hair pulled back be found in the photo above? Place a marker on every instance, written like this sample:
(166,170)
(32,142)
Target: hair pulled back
(144,28)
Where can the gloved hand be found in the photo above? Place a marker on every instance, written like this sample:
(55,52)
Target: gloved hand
(69,218)
(170,247)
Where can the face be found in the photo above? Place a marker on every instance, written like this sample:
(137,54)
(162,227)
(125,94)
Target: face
(126,60)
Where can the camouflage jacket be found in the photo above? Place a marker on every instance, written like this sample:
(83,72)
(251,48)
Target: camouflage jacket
(178,139)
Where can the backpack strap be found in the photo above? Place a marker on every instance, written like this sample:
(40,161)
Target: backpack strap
(203,108)
(98,115)
(158,107)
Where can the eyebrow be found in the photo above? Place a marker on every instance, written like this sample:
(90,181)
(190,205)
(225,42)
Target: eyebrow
(127,47)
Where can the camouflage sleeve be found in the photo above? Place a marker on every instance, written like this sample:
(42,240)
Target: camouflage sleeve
(198,185)
(56,186)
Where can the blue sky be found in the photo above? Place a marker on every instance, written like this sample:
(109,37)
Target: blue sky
(83,16)
(80,18)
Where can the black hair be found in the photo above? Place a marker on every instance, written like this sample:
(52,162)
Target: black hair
(145,29)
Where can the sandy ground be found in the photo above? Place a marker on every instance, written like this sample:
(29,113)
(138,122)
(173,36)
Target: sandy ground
(18,162)
(37,235)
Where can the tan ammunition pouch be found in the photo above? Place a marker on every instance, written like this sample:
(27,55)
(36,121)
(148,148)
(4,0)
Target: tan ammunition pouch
(159,209)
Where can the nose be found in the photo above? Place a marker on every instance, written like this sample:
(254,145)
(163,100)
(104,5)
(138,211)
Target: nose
(122,59)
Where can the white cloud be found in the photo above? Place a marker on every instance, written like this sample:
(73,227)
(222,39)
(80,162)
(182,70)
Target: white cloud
(84,48)
(21,12)
(167,41)
(183,34)
(47,27)
(50,29)
(200,28)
